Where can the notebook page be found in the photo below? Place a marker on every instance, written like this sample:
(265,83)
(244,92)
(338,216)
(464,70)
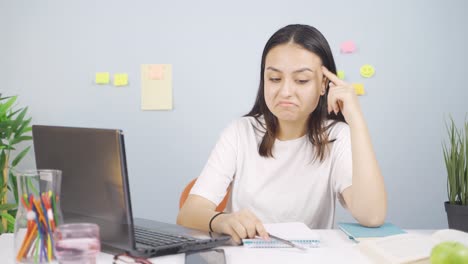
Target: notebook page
(400,248)
(413,247)
(452,235)
(294,231)
(291,231)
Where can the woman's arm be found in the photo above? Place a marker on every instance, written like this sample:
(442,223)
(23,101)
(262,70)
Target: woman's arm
(198,211)
(199,207)
(366,198)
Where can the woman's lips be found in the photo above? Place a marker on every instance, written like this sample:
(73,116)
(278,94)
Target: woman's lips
(286,103)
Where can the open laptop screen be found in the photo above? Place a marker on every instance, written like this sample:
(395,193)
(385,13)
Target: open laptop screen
(92,162)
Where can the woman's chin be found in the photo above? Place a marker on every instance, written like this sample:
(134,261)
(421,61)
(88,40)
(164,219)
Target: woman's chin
(288,118)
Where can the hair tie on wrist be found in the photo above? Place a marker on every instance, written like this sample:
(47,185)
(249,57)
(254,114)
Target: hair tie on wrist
(212,218)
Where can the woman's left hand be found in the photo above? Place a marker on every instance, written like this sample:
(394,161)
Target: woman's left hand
(341,97)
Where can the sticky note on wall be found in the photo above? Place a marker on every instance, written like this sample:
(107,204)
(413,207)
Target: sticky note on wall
(367,71)
(359,88)
(348,47)
(120,79)
(340,74)
(102,78)
(156,87)
(156,72)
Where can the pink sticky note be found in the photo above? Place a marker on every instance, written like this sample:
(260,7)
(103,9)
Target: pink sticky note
(156,72)
(348,47)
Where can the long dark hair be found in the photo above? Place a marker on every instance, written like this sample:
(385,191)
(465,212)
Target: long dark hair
(311,39)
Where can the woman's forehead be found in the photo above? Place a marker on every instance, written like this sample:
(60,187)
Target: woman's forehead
(290,57)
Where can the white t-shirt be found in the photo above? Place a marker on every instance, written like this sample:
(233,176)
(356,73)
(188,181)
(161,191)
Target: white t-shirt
(289,187)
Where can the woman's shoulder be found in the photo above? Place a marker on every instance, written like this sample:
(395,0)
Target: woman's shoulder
(246,126)
(247,122)
(338,129)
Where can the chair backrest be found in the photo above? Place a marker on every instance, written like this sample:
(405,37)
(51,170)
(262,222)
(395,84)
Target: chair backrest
(189,186)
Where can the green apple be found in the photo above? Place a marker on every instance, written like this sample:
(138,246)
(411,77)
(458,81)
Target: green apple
(449,252)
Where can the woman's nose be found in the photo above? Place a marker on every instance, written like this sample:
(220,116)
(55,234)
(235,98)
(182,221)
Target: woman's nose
(286,89)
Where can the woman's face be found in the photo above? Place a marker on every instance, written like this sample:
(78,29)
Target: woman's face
(293,82)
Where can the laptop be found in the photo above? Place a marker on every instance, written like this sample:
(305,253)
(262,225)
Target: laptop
(95,189)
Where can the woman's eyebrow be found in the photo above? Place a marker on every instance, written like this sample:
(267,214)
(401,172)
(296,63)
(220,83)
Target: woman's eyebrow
(273,69)
(303,70)
(296,71)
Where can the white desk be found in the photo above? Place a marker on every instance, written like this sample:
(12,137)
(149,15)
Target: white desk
(335,248)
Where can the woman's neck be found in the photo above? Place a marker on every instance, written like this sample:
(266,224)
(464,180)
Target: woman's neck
(291,130)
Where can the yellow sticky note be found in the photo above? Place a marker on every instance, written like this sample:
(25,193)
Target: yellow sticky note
(120,79)
(102,78)
(367,71)
(156,87)
(359,88)
(340,75)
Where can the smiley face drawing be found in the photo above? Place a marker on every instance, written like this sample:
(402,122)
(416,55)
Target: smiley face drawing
(367,71)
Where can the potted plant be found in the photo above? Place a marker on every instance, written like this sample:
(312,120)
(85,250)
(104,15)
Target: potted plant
(14,129)
(456,162)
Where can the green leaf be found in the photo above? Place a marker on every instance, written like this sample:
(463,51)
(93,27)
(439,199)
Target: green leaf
(13,113)
(31,185)
(5,125)
(2,165)
(4,98)
(27,129)
(13,212)
(23,127)
(2,158)
(8,217)
(8,147)
(14,185)
(6,106)
(6,207)
(19,139)
(19,119)
(11,227)
(20,156)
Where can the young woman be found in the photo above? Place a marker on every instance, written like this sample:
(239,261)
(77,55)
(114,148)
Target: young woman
(303,145)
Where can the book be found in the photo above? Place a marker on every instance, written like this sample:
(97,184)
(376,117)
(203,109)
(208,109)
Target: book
(295,232)
(408,248)
(360,233)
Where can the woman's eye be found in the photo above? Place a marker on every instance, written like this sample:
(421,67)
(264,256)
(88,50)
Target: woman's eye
(302,81)
(275,79)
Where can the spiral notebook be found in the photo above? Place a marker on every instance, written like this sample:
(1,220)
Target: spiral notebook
(295,232)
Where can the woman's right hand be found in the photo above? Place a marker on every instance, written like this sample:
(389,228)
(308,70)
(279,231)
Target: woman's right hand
(239,225)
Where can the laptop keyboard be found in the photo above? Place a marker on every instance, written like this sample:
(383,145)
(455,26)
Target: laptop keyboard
(155,239)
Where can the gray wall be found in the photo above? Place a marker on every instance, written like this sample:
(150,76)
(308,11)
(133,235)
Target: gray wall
(50,50)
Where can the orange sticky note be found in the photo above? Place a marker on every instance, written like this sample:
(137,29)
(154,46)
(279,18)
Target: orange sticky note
(348,47)
(156,72)
(359,88)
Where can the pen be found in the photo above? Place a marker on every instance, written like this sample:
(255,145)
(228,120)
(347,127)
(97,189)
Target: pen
(287,242)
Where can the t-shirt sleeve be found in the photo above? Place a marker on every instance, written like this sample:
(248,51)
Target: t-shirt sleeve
(342,168)
(220,168)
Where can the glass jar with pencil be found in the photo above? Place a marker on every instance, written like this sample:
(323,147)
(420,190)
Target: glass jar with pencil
(38,215)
